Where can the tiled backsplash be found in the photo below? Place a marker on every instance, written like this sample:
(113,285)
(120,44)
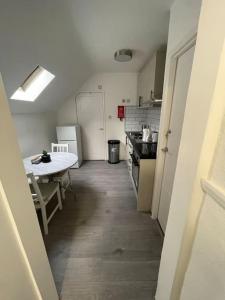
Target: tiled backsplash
(153,117)
(138,116)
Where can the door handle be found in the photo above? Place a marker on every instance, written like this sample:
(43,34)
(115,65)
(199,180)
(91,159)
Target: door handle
(101,128)
(168,133)
(165,149)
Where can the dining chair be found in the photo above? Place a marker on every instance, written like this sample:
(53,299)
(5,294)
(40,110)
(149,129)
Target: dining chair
(63,178)
(42,193)
(60,147)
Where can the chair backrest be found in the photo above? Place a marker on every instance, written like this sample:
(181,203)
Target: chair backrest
(60,147)
(35,191)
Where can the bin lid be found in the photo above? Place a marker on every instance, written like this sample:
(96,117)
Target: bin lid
(113,142)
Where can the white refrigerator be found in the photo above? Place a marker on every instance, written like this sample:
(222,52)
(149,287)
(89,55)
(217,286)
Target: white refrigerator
(71,135)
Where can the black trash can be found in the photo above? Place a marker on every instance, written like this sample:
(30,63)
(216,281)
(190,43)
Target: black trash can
(114,151)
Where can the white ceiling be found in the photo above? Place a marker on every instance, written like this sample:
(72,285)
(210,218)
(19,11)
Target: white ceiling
(73,39)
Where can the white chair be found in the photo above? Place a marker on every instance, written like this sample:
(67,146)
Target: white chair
(63,178)
(60,147)
(42,193)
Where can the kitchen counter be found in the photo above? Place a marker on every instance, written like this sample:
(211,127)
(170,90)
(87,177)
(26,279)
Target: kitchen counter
(143,149)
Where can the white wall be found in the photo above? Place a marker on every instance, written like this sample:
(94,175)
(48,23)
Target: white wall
(116,86)
(26,273)
(184,17)
(203,116)
(67,114)
(35,132)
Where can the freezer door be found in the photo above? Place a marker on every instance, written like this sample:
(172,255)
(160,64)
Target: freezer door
(72,146)
(66,133)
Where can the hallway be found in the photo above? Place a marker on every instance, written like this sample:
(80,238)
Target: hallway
(99,246)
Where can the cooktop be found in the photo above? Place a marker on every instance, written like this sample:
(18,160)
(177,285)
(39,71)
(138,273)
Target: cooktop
(145,150)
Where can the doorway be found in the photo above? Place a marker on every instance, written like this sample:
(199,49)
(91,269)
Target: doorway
(180,90)
(90,116)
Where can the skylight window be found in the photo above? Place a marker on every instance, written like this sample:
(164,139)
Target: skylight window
(34,84)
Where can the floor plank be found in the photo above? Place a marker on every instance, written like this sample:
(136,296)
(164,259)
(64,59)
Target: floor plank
(99,246)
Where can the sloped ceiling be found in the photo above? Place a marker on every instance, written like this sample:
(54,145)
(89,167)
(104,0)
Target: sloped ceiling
(73,39)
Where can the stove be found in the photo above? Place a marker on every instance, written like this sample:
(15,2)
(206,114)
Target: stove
(136,135)
(145,150)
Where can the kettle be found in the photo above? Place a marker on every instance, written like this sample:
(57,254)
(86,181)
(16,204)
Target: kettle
(146,135)
(154,136)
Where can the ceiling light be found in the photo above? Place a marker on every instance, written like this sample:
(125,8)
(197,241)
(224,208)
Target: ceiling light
(34,84)
(123,55)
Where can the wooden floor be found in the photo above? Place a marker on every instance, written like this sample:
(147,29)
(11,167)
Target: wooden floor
(99,246)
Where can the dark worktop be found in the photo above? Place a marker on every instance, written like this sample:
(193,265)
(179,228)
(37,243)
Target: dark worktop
(143,149)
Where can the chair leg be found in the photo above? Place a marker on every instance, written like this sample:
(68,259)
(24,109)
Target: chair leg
(70,182)
(59,198)
(62,190)
(44,219)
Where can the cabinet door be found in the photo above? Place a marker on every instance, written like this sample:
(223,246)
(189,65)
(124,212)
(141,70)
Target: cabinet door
(146,80)
(150,79)
(140,85)
(159,74)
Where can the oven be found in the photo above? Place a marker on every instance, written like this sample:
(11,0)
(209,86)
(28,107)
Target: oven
(135,168)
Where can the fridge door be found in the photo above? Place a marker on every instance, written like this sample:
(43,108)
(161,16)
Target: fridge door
(79,146)
(73,148)
(66,133)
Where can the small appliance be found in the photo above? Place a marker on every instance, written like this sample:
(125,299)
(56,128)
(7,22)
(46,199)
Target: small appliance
(146,135)
(154,136)
(71,135)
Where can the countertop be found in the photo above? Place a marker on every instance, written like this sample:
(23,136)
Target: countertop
(143,149)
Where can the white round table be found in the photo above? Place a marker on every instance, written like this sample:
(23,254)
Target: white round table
(60,161)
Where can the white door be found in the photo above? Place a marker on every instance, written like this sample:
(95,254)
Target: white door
(90,113)
(181,84)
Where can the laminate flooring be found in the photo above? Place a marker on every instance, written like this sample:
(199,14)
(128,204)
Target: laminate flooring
(99,246)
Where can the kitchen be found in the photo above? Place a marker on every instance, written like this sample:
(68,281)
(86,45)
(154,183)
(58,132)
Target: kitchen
(105,216)
(106,237)
(141,96)
(140,111)
(142,129)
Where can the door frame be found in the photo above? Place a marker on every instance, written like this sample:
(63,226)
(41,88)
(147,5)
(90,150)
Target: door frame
(104,113)
(168,93)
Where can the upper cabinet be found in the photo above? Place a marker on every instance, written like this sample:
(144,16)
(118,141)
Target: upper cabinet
(151,78)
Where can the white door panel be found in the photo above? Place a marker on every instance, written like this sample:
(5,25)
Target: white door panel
(90,111)
(182,78)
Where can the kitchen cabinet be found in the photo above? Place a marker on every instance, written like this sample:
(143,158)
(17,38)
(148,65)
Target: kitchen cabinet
(145,184)
(143,187)
(151,78)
